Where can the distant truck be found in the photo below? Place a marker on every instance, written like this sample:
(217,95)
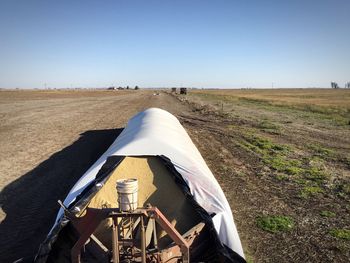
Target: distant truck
(183,91)
(173,90)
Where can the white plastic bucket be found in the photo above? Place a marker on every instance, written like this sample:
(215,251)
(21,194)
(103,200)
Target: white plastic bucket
(127,194)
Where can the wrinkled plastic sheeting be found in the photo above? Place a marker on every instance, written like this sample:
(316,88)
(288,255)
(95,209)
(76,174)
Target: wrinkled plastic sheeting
(156,132)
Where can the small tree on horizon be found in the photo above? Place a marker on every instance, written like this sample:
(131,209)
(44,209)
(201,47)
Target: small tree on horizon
(334,85)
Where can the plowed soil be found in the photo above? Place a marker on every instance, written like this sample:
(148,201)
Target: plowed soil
(48,139)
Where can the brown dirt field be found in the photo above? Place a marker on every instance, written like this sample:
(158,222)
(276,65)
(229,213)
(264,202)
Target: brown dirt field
(49,139)
(322,97)
(280,160)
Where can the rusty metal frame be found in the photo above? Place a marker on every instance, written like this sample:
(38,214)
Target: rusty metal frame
(87,224)
(155,213)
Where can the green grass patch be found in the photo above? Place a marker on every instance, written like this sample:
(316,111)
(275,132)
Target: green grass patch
(263,146)
(308,191)
(282,164)
(273,155)
(326,213)
(320,150)
(301,181)
(269,127)
(315,174)
(341,233)
(281,177)
(343,189)
(281,159)
(248,258)
(275,224)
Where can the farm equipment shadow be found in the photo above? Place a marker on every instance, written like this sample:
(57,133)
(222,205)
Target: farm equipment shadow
(30,202)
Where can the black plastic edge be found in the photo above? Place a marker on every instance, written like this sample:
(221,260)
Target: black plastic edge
(112,162)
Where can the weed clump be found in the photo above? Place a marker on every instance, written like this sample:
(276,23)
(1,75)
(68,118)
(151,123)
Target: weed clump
(321,151)
(263,146)
(326,213)
(272,154)
(279,158)
(341,233)
(281,177)
(315,174)
(269,127)
(308,191)
(342,189)
(275,224)
(281,164)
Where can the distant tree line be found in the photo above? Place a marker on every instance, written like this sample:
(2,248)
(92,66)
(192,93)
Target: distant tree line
(122,88)
(334,85)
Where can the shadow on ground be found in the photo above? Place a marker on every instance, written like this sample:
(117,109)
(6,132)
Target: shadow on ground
(30,202)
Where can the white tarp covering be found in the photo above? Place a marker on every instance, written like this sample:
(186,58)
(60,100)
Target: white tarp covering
(157,132)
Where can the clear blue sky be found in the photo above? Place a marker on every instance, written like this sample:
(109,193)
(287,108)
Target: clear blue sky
(219,44)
